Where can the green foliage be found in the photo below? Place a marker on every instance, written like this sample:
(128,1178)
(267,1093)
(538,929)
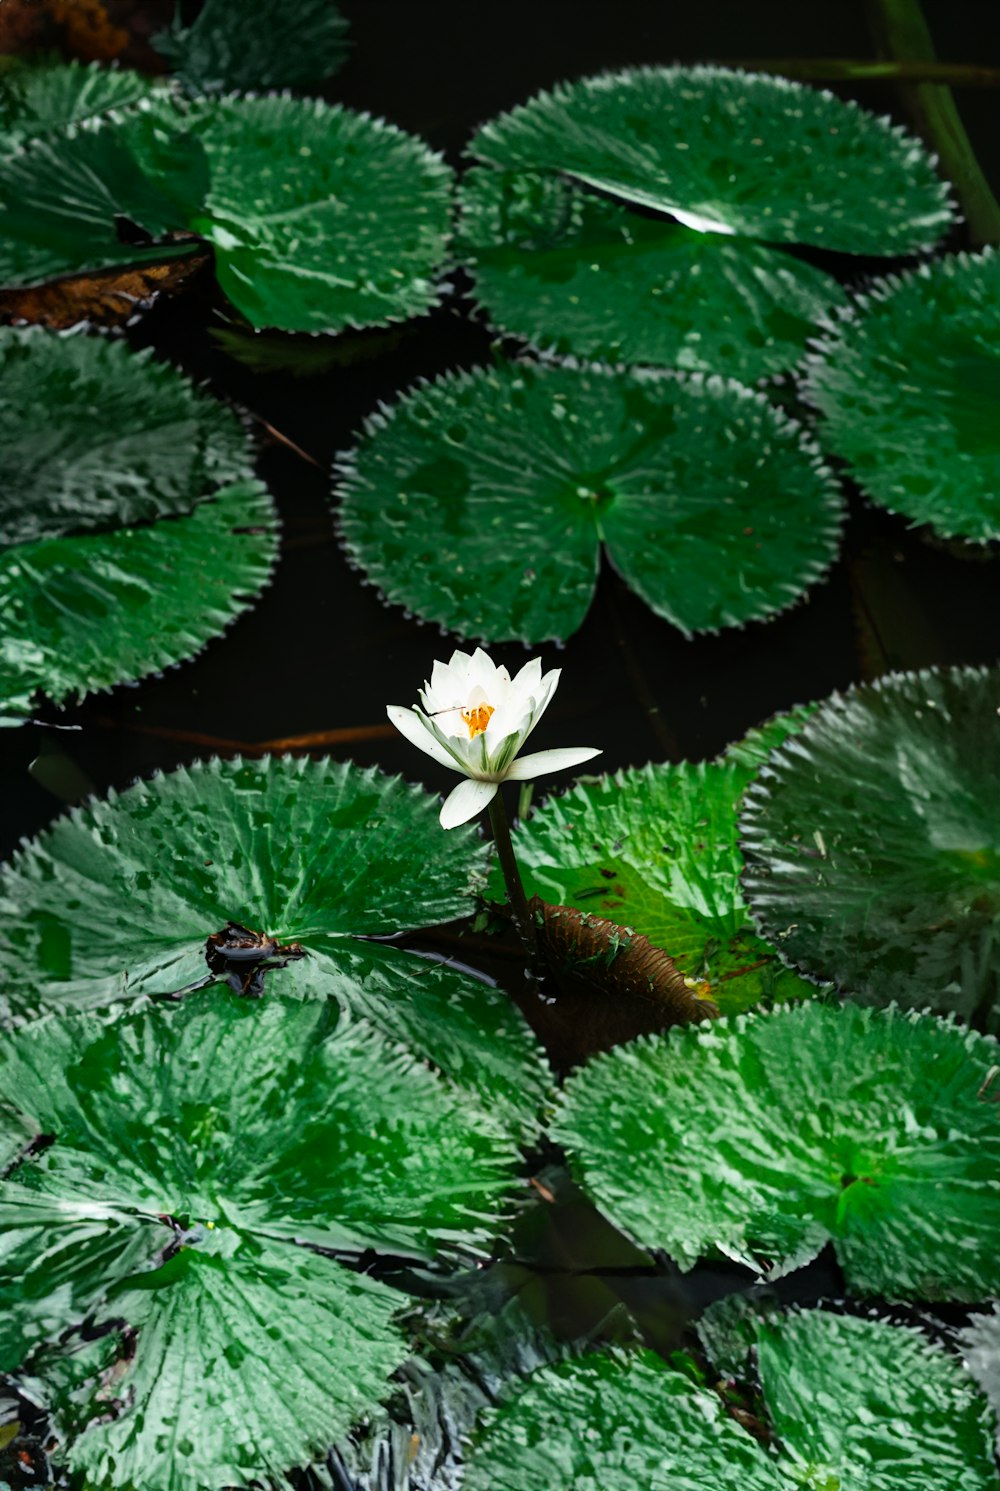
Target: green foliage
(39,98)
(710,503)
(92,611)
(763,1137)
(118,899)
(197,1149)
(873,843)
(655,848)
(745,153)
(872,1406)
(289,44)
(134,439)
(857,1404)
(610,1423)
(343,225)
(576,273)
(919,432)
(980,1343)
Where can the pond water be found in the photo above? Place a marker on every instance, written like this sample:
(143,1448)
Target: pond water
(322,653)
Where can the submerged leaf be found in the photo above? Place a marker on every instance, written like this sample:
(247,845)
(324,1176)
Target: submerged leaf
(290,44)
(732,152)
(909,387)
(764,1137)
(575,273)
(710,502)
(873,843)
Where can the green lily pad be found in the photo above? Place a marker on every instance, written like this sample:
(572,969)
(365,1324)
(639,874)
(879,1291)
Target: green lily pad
(764,1137)
(40,98)
(93,611)
(118,899)
(736,152)
(199,1152)
(710,502)
(574,273)
(872,1406)
(614,1423)
(873,843)
(345,223)
(655,848)
(290,44)
(909,388)
(852,1403)
(134,440)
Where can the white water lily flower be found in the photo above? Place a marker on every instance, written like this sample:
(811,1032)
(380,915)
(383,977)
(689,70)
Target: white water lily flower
(475,719)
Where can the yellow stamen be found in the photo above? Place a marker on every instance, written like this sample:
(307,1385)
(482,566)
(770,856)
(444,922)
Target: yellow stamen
(477,717)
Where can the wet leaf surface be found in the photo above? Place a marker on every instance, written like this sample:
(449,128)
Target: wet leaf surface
(764,1137)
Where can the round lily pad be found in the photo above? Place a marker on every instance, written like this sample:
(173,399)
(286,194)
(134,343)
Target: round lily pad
(655,848)
(873,1406)
(764,1137)
(303,859)
(134,439)
(197,1155)
(614,1423)
(575,273)
(711,503)
(851,1403)
(732,152)
(320,218)
(872,843)
(93,611)
(909,389)
(291,44)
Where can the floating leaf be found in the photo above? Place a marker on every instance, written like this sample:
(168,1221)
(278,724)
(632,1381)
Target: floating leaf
(909,387)
(40,98)
(101,609)
(766,1136)
(575,273)
(119,898)
(853,1403)
(289,45)
(752,752)
(134,439)
(345,224)
(612,1423)
(873,843)
(872,1406)
(196,1147)
(108,297)
(655,848)
(732,152)
(710,503)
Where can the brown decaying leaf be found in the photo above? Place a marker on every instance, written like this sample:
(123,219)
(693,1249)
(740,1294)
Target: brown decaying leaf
(611,985)
(105,297)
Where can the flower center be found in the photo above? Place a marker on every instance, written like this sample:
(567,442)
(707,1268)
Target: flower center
(477,717)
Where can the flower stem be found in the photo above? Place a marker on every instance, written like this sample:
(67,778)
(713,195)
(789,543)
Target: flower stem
(520,911)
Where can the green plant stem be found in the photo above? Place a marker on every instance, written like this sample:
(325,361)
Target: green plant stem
(520,911)
(900,30)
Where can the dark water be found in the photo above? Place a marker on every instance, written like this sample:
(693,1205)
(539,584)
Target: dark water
(321,652)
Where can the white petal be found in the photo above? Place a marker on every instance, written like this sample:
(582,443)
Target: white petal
(505,720)
(482,672)
(529,677)
(536,765)
(465,801)
(417,731)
